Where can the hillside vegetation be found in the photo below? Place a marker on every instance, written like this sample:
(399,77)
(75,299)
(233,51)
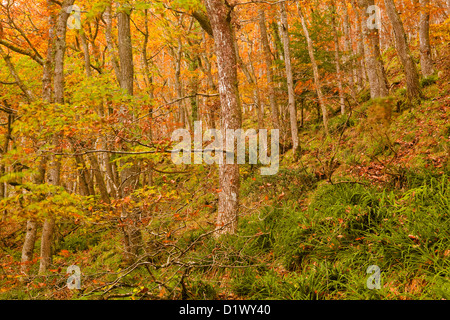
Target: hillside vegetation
(371,188)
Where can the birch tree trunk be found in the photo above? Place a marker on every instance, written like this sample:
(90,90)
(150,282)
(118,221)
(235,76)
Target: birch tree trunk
(219,14)
(409,67)
(290,81)
(315,70)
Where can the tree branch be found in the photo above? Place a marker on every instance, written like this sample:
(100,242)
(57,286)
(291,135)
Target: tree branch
(32,55)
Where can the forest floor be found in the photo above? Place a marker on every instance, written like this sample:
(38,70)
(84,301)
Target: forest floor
(376,191)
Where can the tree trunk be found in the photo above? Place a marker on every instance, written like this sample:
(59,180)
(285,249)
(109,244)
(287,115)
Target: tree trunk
(269,66)
(193,85)
(409,67)
(290,81)
(361,70)
(315,71)
(55,164)
(426,62)
(60,50)
(337,60)
(49,223)
(48,63)
(28,245)
(219,14)
(348,47)
(129,176)
(374,63)
(125,50)
(207,70)
(251,79)
(83,176)
(31,228)
(87,58)
(280,74)
(178,84)
(109,42)
(150,86)
(99,178)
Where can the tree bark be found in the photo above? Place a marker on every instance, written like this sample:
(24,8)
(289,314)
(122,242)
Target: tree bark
(426,63)
(409,67)
(315,71)
(219,14)
(289,77)
(125,50)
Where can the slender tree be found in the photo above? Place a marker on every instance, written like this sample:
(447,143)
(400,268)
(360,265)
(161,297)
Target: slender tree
(289,77)
(251,79)
(219,14)
(54,167)
(360,55)
(348,48)
(129,176)
(315,68)
(426,63)
(374,63)
(409,67)
(268,66)
(337,58)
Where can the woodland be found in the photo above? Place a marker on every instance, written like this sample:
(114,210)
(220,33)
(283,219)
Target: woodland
(93,207)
